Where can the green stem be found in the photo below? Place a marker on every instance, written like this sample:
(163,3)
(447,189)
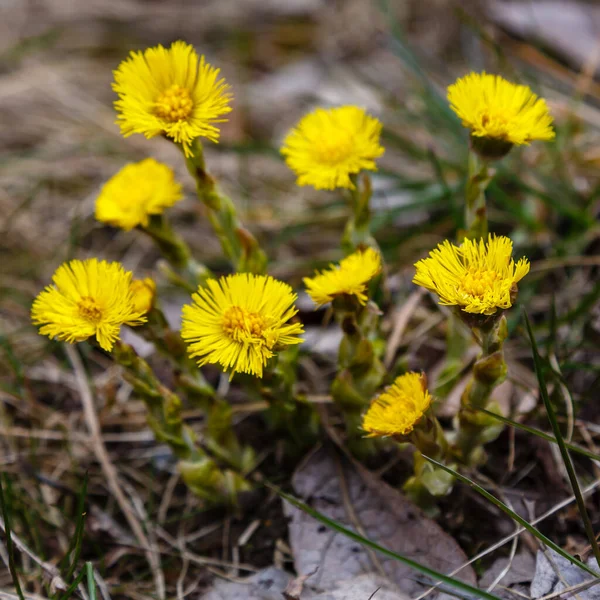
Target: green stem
(360,371)
(357,233)
(201,472)
(479,177)
(171,346)
(475,428)
(177,253)
(476,224)
(164,406)
(427,482)
(237,242)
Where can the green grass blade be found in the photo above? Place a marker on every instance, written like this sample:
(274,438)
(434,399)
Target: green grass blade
(5,504)
(513,515)
(537,432)
(564,452)
(76,542)
(89,569)
(458,585)
(69,591)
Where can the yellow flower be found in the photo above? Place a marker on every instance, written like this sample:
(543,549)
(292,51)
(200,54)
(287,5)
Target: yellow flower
(350,278)
(329,145)
(143,292)
(137,191)
(494,108)
(239,321)
(477,276)
(398,408)
(88,298)
(172,92)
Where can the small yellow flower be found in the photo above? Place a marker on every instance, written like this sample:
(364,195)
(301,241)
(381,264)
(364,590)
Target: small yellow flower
(477,276)
(239,321)
(350,278)
(88,298)
(329,145)
(143,292)
(172,92)
(494,108)
(137,191)
(398,408)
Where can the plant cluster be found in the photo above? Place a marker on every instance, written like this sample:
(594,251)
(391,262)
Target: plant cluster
(246,322)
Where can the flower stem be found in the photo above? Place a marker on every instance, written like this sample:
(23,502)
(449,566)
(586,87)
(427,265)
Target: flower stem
(478,178)
(200,471)
(177,253)
(476,428)
(357,233)
(360,371)
(237,242)
(476,224)
(428,482)
(288,411)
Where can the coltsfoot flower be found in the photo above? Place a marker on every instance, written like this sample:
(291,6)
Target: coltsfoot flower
(329,145)
(172,92)
(351,278)
(137,191)
(496,109)
(478,277)
(397,410)
(87,298)
(144,294)
(239,321)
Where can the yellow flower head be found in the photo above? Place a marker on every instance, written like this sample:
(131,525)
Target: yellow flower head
(494,108)
(89,297)
(137,191)
(398,408)
(238,321)
(143,292)
(172,92)
(350,278)
(327,146)
(477,276)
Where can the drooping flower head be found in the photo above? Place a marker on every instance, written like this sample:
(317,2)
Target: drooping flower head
(398,408)
(87,298)
(137,191)
(329,145)
(170,91)
(478,277)
(238,321)
(144,294)
(351,277)
(499,110)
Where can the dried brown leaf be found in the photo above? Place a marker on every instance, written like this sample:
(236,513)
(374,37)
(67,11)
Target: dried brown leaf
(381,512)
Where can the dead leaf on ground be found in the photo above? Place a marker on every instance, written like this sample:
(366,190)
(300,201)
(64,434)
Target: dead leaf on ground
(270,583)
(267,584)
(356,498)
(517,578)
(364,587)
(553,574)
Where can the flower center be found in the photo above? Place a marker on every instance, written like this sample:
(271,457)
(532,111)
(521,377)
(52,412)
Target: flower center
(477,282)
(89,309)
(240,324)
(336,149)
(495,122)
(174,104)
